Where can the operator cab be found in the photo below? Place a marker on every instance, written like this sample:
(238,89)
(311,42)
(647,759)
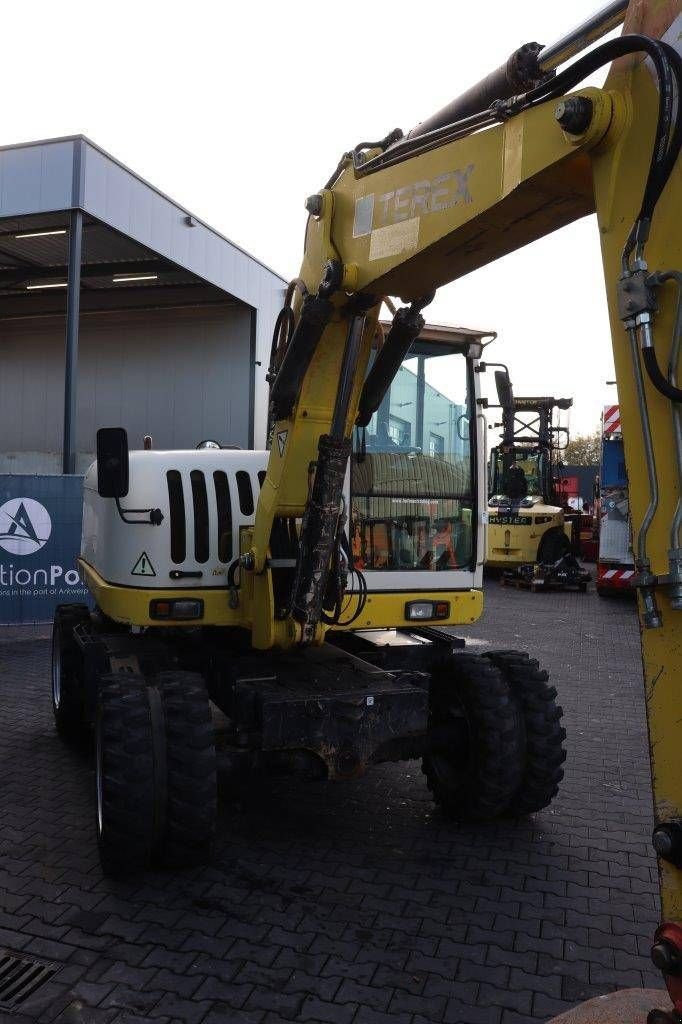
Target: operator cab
(413,476)
(520,477)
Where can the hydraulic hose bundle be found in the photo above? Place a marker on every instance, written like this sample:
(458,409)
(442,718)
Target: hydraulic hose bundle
(294,341)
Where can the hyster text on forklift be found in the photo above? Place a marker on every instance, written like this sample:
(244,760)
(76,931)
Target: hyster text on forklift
(211,584)
(526,522)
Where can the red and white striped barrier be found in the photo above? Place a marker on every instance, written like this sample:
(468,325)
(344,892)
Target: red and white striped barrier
(608,576)
(611,419)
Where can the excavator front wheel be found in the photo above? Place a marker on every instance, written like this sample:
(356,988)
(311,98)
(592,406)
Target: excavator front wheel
(544,747)
(475,763)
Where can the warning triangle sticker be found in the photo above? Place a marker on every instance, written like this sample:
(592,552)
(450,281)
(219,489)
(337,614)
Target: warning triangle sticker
(143,567)
(281,441)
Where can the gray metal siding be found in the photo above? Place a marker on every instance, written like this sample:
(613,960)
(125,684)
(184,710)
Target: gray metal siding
(36,178)
(180,375)
(41,176)
(117,197)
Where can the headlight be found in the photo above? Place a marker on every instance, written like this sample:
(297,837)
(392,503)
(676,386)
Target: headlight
(423,610)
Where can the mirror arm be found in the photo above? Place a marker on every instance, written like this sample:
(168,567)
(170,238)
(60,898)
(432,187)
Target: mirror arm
(155,515)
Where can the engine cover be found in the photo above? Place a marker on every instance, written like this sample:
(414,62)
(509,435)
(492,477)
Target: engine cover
(205,497)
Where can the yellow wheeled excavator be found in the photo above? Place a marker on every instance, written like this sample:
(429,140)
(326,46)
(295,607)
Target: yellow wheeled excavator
(302,589)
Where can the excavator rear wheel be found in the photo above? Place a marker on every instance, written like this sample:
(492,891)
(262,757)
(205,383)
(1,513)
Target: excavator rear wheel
(155,770)
(126,790)
(544,747)
(474,767)
(191,768)
(68,688)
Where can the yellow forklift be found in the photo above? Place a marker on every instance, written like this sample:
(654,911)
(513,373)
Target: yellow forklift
(526,522)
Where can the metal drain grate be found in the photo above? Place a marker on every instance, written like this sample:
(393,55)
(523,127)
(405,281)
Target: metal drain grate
(21,977)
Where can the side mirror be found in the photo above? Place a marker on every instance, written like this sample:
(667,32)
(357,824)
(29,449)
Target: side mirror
(504,389)
(112,462)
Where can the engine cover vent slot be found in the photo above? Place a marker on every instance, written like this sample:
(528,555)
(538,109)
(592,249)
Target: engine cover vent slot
(21,977)
(224,507)
(178,528)
(245,491)
(200,501)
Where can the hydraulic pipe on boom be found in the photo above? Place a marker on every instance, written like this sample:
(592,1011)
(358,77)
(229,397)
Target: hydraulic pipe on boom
(589,31)
(526,68)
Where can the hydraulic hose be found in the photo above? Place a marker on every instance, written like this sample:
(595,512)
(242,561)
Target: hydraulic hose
(656,377)
(673,362)
(666,62)
(666,148)
(648,449)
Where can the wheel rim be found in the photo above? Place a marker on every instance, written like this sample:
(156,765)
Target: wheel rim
(56,670)
(99,778)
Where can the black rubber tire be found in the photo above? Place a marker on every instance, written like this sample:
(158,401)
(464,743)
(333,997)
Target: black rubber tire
(545,753)
(476,776)
(68,687)
(191,769)
(124,774)
(553,545)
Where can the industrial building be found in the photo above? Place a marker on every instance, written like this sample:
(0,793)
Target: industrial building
(119,307)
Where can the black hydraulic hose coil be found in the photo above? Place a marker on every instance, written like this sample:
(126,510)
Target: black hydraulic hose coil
(657,378)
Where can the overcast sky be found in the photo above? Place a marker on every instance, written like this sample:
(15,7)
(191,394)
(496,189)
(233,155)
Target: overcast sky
(239,111)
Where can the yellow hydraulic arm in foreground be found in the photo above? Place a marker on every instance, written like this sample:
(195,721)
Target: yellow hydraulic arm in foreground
(404,216)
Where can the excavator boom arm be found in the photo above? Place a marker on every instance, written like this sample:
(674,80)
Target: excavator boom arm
(402,217)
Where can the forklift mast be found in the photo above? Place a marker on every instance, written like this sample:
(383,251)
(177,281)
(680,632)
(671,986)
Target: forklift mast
(529,420)
(528,424)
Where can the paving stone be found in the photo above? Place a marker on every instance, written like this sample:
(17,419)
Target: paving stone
(366,1015)
(314,1009)
(287,1004)
(457,1012)
(326,989)
(131,999)
(356,903)
(224,1014)
(182,985)
(231,993)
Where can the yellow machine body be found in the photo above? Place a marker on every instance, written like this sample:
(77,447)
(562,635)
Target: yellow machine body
(514,538)
(410,225)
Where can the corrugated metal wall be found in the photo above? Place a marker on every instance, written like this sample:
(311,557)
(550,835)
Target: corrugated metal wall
(181,375)
(117,197)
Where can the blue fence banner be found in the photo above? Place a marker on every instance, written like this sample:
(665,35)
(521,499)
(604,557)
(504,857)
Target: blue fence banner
(40,532)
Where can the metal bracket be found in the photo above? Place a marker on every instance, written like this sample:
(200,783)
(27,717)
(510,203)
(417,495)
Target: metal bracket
(636,295)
